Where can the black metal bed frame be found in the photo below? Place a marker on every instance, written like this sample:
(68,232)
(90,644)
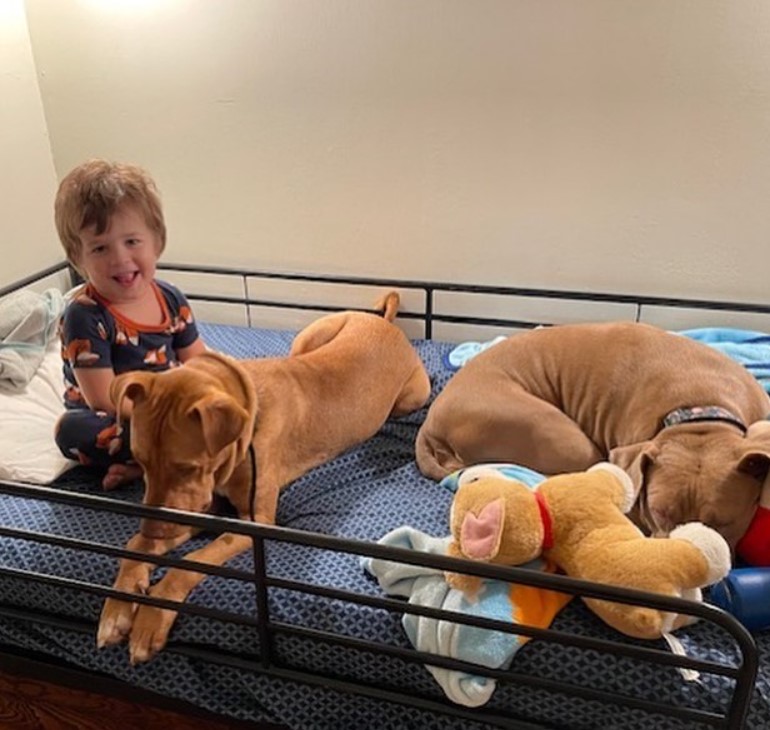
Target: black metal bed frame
(743,673)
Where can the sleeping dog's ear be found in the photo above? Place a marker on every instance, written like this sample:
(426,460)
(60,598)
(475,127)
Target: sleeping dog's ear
(222,421)
(756,457)
(635,460)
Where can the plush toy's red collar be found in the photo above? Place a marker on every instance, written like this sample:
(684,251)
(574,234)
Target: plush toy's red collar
(545,516)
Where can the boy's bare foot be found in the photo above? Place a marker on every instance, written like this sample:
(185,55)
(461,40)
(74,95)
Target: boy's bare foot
(119,474)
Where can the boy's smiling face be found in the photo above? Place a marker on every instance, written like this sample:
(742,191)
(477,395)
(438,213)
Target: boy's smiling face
(120,261)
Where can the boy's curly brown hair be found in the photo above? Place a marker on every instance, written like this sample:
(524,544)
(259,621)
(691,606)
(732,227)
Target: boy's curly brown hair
(90,194)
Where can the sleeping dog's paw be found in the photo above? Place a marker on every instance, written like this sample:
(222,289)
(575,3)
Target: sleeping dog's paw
(115,622)
(149,632)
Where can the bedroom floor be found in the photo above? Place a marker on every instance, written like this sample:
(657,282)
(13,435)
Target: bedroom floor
(27,704)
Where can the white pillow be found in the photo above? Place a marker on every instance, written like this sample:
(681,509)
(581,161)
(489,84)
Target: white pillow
(28,452)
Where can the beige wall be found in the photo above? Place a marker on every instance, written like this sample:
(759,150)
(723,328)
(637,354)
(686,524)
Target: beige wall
(27,177)
(608,144)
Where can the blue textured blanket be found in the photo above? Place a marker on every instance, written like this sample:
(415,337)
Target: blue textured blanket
(751,349)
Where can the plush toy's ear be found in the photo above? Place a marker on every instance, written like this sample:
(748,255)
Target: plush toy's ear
(480,535)
(635,460)
(628,496)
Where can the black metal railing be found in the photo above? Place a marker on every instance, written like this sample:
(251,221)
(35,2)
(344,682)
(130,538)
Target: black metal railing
(430,314)
(742,673)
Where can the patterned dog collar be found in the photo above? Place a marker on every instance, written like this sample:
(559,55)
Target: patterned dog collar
(702,413)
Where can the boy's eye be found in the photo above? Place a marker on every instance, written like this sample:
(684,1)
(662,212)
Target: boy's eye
(98,249)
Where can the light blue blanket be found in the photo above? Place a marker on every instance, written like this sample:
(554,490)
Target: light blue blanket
(751,349)
(427,587)
(28,322)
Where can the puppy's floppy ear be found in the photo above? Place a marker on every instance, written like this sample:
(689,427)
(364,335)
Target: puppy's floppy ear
(131,386)
(635,460)
(221,419)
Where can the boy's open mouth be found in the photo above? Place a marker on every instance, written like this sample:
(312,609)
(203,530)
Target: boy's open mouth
(126,279)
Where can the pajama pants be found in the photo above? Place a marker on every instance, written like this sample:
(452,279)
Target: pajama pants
(92,438)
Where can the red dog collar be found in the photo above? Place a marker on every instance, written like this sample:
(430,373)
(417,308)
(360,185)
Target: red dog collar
(545,517)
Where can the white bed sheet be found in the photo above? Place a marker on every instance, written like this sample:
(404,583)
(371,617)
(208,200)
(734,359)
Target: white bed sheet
(28,452)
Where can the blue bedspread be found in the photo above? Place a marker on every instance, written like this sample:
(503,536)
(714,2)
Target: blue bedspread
(364,494)
(751,349)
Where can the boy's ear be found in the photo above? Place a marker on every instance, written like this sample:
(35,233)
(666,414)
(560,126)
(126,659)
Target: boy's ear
(160,242)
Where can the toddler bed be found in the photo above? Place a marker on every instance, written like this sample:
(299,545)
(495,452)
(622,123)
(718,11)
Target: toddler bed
(298,633)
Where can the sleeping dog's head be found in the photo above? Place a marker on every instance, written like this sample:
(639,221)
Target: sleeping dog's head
(708,472)
(187,433)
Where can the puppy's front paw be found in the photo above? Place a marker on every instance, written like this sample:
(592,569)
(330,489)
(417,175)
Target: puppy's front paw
(115,622)
(149,633)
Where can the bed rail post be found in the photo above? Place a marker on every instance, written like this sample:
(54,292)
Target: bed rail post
(745,680)
(428,323)
(263,610)
(247,297)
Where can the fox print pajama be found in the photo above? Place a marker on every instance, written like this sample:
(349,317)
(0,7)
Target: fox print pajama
(95,335)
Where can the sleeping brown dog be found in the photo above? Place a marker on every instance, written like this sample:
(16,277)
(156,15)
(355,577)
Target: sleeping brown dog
(191,428)
(672,412)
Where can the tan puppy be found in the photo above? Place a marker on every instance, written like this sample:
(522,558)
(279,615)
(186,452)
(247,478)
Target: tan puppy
(191,428)
(560,399)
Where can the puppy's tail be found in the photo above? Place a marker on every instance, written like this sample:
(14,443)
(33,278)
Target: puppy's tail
(388,305)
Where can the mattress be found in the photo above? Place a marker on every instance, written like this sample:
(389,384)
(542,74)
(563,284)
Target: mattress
(363,494)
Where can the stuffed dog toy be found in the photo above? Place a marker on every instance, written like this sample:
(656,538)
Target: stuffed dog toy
(578,521)
(675,413)
(191,428)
